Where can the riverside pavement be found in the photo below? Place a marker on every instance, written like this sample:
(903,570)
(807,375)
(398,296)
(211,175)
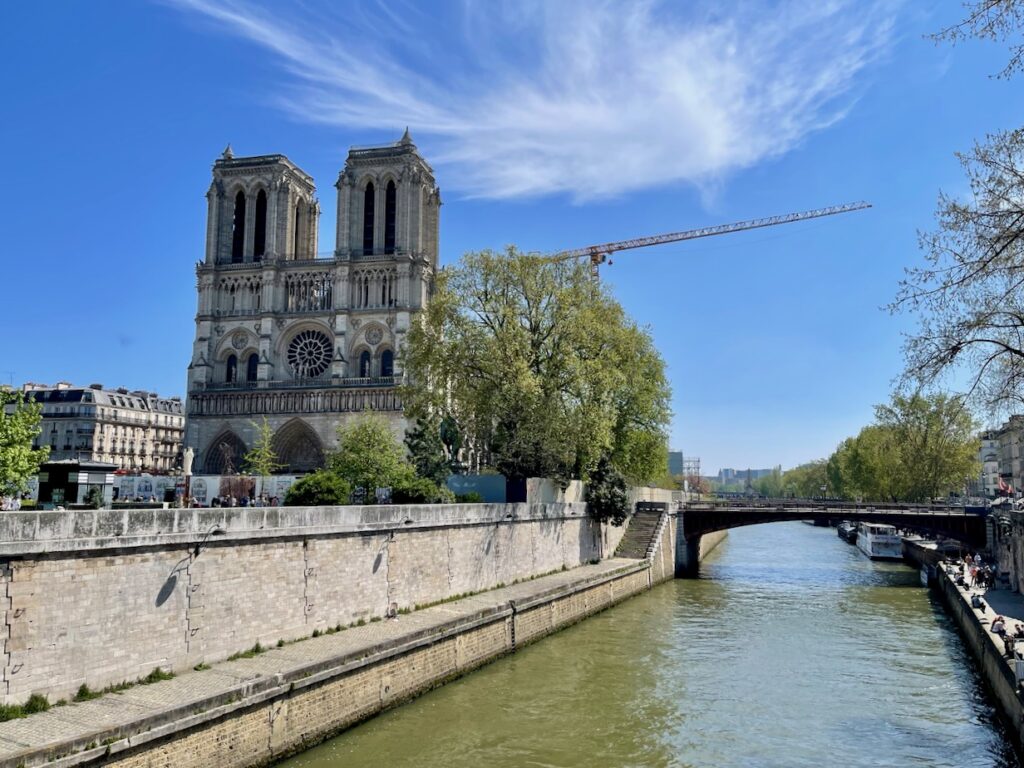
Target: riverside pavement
(82,731)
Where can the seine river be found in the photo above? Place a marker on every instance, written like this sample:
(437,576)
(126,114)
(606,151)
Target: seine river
(791,649)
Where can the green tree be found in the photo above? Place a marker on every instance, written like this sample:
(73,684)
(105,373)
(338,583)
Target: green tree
(261,459)
(936,443)
(806,480)
(920,447)
(369,456)
(426,449)
(541,369)
(19,425)
(607,499)
(770,485)
(317,489)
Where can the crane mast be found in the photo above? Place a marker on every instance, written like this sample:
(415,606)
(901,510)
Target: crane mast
(599,253)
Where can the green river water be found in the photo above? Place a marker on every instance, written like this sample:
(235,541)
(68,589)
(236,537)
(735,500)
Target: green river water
(791,649)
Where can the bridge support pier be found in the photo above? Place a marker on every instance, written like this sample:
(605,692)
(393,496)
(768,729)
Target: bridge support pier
(687,554)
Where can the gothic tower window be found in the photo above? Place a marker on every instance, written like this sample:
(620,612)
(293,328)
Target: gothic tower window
(295,241)
(252,367)
(389,218)
(368,203)
(364,364)
(238,229)
(387,363)
(260,237)
(231,372)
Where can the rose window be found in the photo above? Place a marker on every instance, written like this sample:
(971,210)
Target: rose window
(309,354)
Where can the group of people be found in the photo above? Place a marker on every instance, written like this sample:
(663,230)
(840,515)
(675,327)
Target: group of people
(10,503)
(976,573)
(999,627)
(257,501)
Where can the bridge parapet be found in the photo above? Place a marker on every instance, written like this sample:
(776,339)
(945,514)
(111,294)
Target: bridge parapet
(960,523)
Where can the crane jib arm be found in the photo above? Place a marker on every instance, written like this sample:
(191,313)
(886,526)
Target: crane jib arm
(595,252)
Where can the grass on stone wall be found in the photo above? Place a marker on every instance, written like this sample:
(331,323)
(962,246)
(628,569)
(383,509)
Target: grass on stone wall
(85,693)
(36,703)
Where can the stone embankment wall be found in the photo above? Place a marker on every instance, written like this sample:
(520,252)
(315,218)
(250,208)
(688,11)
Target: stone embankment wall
(987,649)
(99,597)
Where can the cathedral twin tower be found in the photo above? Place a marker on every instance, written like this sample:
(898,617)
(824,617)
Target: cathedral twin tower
(305,340)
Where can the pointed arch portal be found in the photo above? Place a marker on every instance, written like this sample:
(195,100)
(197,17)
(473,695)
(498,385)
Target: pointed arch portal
(224,454)
(297,447)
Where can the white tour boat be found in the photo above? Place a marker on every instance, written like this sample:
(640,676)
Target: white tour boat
(879,542)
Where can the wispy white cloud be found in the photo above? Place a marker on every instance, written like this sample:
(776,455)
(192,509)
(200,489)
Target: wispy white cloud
(589,98)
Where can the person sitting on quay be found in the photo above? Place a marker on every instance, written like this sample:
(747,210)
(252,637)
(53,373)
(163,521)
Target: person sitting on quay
(1018,631)
(999,626)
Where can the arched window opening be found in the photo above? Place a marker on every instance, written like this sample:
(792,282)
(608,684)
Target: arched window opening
(238,229)
(252,367)
(364,364)
(368,203)
(259,246)
(295,236)
(387,363)
(389,217)
(231,373)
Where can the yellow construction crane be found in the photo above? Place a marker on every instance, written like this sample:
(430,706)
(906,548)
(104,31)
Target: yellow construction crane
(598,254)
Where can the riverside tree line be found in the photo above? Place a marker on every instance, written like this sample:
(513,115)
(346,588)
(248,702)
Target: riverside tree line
(919,447)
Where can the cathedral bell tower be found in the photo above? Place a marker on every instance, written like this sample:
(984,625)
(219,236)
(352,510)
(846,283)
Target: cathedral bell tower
(303,340)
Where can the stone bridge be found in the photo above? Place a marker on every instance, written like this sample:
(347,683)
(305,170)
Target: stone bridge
(698,518)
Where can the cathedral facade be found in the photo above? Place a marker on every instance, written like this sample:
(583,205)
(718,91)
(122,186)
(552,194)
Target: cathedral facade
(308,341)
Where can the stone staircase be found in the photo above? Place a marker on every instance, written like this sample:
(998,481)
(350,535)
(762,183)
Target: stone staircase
(642,535)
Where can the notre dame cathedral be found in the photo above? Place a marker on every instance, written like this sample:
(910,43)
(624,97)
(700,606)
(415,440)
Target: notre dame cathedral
(305,340)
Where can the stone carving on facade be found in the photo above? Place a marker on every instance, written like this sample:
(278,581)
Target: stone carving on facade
(239,339)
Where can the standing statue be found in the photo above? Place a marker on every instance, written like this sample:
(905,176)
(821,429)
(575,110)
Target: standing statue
(186,461)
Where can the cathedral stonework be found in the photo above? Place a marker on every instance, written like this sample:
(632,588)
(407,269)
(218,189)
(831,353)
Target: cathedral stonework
(305,340)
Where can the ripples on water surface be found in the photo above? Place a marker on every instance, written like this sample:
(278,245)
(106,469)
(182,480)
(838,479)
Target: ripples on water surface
(792,649)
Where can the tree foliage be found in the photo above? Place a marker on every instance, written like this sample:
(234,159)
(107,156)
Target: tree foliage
(426,449)
(369,456)
(319,488)
(540,368)
(261,459)
(920,447)
(996,20)
(607,499)
(19,461)
(967,296)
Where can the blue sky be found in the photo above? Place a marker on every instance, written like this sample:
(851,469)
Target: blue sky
(550,125)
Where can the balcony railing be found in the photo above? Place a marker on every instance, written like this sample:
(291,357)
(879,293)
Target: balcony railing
(351,381)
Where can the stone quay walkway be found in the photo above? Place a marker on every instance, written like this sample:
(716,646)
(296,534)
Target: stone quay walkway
(87,731)
(995,602)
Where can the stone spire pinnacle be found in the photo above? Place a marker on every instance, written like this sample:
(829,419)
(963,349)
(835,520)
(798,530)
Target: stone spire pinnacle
(228,153)
(406,138)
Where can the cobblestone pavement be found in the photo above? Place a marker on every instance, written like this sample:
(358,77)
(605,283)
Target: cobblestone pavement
(79,720)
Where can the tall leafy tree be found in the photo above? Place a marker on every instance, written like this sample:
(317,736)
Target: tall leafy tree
(541,369)
(19,425)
